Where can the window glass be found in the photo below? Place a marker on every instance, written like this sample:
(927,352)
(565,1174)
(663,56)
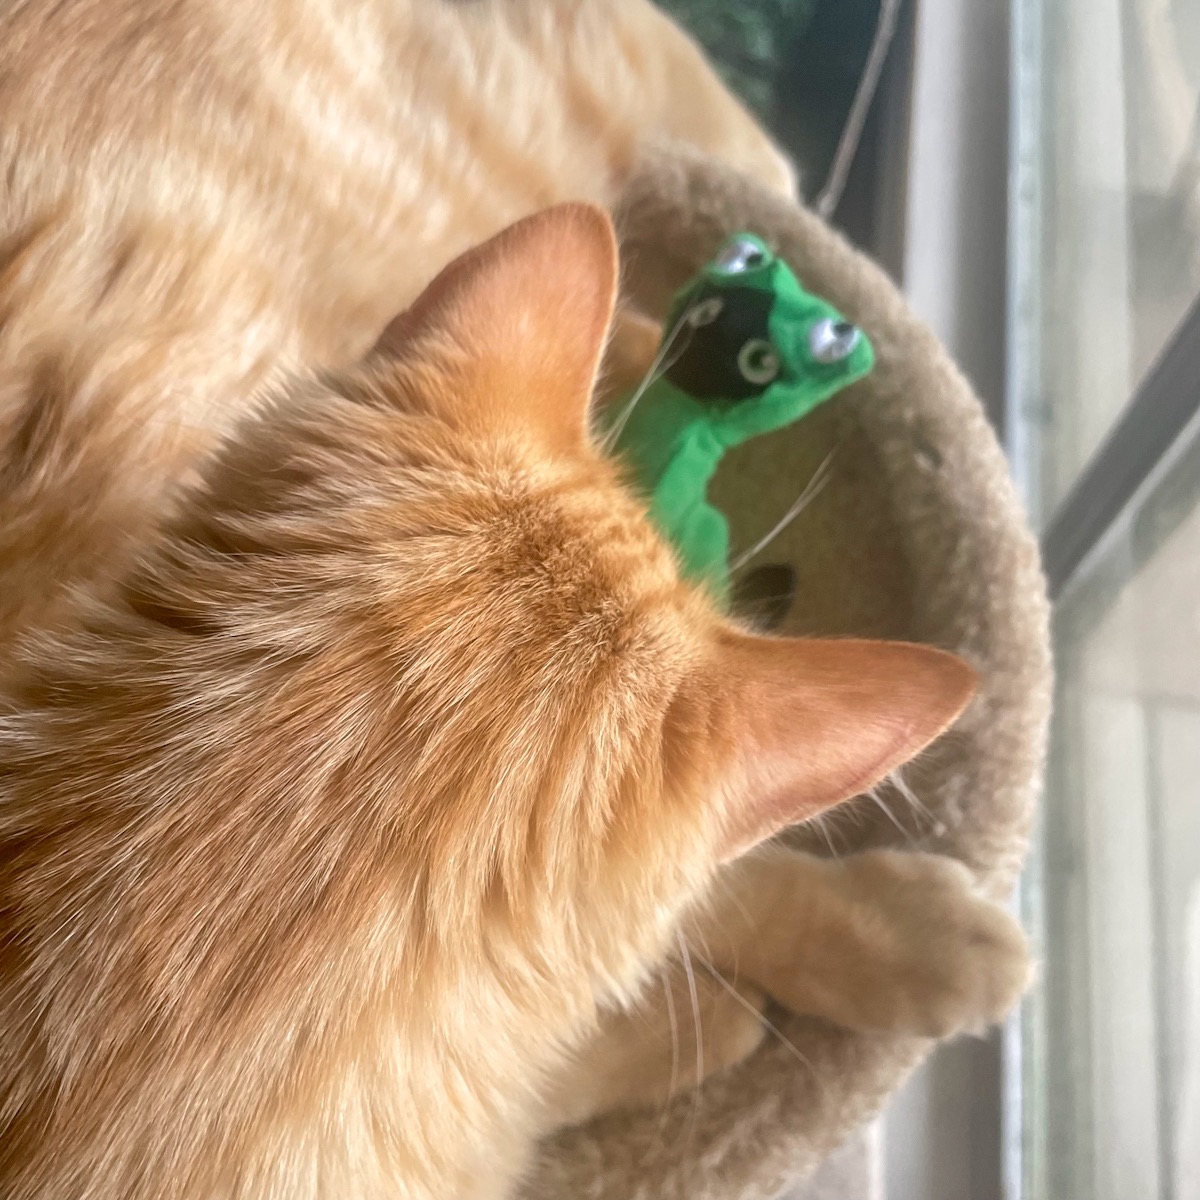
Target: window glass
(797,64)
(1113,1087)
(1113,177)
(1106,264)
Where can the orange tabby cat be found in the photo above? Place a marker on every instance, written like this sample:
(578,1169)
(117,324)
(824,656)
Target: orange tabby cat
(348,794)
(200,194)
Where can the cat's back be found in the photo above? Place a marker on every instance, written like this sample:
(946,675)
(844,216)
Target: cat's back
(299,140)
(201,194)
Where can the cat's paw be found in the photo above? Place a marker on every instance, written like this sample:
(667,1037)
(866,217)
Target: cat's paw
(935,958)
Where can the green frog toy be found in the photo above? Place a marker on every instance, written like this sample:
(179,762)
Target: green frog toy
(747,351)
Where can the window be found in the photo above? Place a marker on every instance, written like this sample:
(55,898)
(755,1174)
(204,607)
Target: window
(1105,426)
(1114,1089)
(1110,177)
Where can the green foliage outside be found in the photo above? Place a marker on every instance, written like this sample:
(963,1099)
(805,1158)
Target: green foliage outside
(795,62)
(747,40)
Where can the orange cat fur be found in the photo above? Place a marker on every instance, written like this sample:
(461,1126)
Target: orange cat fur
(405,749)
(198,195)
(336,818)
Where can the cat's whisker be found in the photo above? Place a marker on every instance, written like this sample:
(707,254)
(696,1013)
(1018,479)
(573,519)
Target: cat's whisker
(664,975)
(694,996)
(762,1017)
(821,823)
(873,793)
(812,490)
(911,798)
(667,356)
(731,897)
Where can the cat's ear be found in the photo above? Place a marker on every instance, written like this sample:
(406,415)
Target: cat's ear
(517,326)
(807,723)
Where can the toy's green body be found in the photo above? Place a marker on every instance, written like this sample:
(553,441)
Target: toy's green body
(748,351)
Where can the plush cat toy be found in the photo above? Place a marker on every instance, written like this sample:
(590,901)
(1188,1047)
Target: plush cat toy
(747,351)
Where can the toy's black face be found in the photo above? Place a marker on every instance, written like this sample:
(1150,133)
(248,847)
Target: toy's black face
(726,353)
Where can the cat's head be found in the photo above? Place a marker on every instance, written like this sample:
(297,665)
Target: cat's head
(464,654)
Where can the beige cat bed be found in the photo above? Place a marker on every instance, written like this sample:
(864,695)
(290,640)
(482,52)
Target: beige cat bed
(918,535)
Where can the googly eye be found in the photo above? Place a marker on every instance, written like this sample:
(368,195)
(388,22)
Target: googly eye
(740,255)
(705,312)
(832,341)
(758,361)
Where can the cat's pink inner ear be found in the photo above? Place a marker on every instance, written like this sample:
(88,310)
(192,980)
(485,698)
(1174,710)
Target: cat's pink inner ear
(519,324)
(809,723)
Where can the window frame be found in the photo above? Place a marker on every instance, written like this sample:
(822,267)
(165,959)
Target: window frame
(1146,433)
